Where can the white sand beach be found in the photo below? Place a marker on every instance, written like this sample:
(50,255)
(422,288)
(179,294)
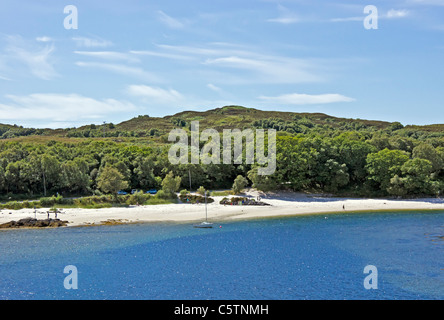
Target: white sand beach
(281,204)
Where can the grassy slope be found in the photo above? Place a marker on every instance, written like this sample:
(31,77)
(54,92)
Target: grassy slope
(229,117)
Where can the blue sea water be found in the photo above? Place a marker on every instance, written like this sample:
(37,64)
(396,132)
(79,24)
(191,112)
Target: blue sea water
(305,257)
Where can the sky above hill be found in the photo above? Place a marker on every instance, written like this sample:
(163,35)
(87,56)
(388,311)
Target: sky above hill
(115,60)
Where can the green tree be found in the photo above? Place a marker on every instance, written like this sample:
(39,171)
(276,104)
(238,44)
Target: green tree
(294,163)
(417,176)
(197,172)
(111,181)
(171,184)
(2,179)
(12,176)
(143,173)
(402,143)
(354,154)
(119,164)
(426,151)
(75,176)
(50,170)
(384,165)
(396,126)
(337,175)
(261,182)
(397,187)
(239,184)
(201,190)
(415,179)
(31,173)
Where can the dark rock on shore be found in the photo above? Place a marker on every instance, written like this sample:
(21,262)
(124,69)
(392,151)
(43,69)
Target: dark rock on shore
(34,223)
(242,201)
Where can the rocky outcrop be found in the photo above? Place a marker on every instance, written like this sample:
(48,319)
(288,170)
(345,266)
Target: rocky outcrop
(242,201)
(34,223)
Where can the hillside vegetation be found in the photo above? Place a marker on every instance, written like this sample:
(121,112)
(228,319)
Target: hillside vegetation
(315,152)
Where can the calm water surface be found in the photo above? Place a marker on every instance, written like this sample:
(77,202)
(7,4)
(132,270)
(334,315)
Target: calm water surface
(310,257)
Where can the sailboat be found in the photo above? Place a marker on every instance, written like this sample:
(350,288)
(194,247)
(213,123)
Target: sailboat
(204,224)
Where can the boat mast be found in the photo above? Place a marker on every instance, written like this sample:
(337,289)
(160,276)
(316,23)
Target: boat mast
(206,218)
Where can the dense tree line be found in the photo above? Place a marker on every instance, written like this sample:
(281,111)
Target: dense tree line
(7,132)
(362,162)
(350,163)
(75,169)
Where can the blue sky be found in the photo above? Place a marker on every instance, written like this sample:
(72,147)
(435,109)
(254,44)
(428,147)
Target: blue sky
(130,58)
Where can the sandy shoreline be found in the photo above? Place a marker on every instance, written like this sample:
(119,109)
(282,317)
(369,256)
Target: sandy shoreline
(282,204)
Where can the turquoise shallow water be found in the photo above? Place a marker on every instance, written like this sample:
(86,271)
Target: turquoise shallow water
(309,257)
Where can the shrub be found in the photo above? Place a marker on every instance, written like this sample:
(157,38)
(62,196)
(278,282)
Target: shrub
(138,198)
(201,191)
(192,198)
(47,202)
(51,201)
(233,200)
(13,205)
(242,201)
(239,183)
(161,194)
(171,184)
(221,193)
(93,200)
(27,204)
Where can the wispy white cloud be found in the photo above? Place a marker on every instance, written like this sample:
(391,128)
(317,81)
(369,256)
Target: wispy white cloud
(347,19)
(91,42)
(390,14)
(270,69)
(214,88)
(285,20)
(5,78)
(212,49)
(37,59)
(109,55)
(161,55)
(44,39)
(122,70)
(393,14)
(254,66)
(170,21)
(285,16)
(154,94)
(306,99)
(67,108)
(427,2)
(170,100)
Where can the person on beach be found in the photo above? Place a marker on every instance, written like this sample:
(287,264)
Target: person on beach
(343,206)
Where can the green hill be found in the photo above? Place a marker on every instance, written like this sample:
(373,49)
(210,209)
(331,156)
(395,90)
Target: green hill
(229,117)
(315,152)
